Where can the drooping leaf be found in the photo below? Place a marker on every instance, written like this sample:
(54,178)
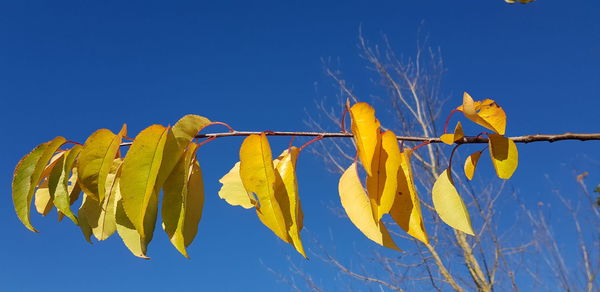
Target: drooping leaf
(43,199)
(449,205)
(105,223)
(486,113)
(406,210)
(90,208)
(357,207)
(382,185)
(258,176)
(288,186)
(457,135)
(28,175)
(367,134)
(183,200)
(178,138)
(233,191)
(95,160)
(58,182)
(131,238)
(138,179)
(505,155)
(471,164)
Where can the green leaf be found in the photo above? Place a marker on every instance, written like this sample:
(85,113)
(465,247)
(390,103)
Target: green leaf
(28,175)
(58,182)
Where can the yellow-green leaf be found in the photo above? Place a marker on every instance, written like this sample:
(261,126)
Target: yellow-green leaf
(28,175)
(357,207)
(471,164)
(449,205)
(131,238)
(87,216)
(138,179)
(457,135)
(486,113)
(95,160)
(406,210)
(58,182)
(105,222)
(258,176)
(382,185)
(288,186)
(505,155)
(43,199)
(367,135)
(233,191)
(183,200)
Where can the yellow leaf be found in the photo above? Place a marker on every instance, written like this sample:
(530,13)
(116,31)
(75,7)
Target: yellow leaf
(382,185)
(471,164)
(89,208)
(357,207)
(131,238)
(105,222)
(288,187)
(95,160)
(449,205)
(43,199)
(505,155)
(367,135)
(457,135)
(486,113)
(183,200)
(406,210)
(258,176)
(58,182)
(28,175)
(138,179)
(233,191)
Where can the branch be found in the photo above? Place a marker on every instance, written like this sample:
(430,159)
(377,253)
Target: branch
(465,140)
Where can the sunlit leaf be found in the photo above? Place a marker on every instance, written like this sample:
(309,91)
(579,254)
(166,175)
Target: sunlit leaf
(105,222)
(471,164)
(406,210)
(183,200)
(382,185)
(138,179)
(505,155)
(43,199)
(449,205)
(457,135)
(486,113)
(288,186)
(357,207)
(233,191)
(28,175)
(58,182)
(367,135)
(258,176)
(95,160)
(131,238)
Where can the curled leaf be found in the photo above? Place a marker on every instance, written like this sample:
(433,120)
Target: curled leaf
(382,185)
(457,135)
(357,207)
(367,135)
(505,155)
(486,113)
(449,205)
(471,164)
(58,181)
(406,210)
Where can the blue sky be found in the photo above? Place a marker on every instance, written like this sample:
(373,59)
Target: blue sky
(72,67)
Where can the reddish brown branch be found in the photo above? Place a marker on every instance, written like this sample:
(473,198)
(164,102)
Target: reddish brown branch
(465,140)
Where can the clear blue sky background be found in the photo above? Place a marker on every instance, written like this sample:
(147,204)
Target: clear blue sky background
(71,67)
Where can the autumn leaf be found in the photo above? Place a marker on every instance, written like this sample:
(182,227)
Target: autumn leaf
(382,185)
(43,199)
(58,182)
(449,205)
(233,191)
(183,200)
(105,221)
(127,232)
(471,164)
(95,160)
(287,185)
(486,113)
(367,135)
(258,176)
(28,175)
(457,135)
(505,155)
(138,179)
(357,207)
(406,210)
